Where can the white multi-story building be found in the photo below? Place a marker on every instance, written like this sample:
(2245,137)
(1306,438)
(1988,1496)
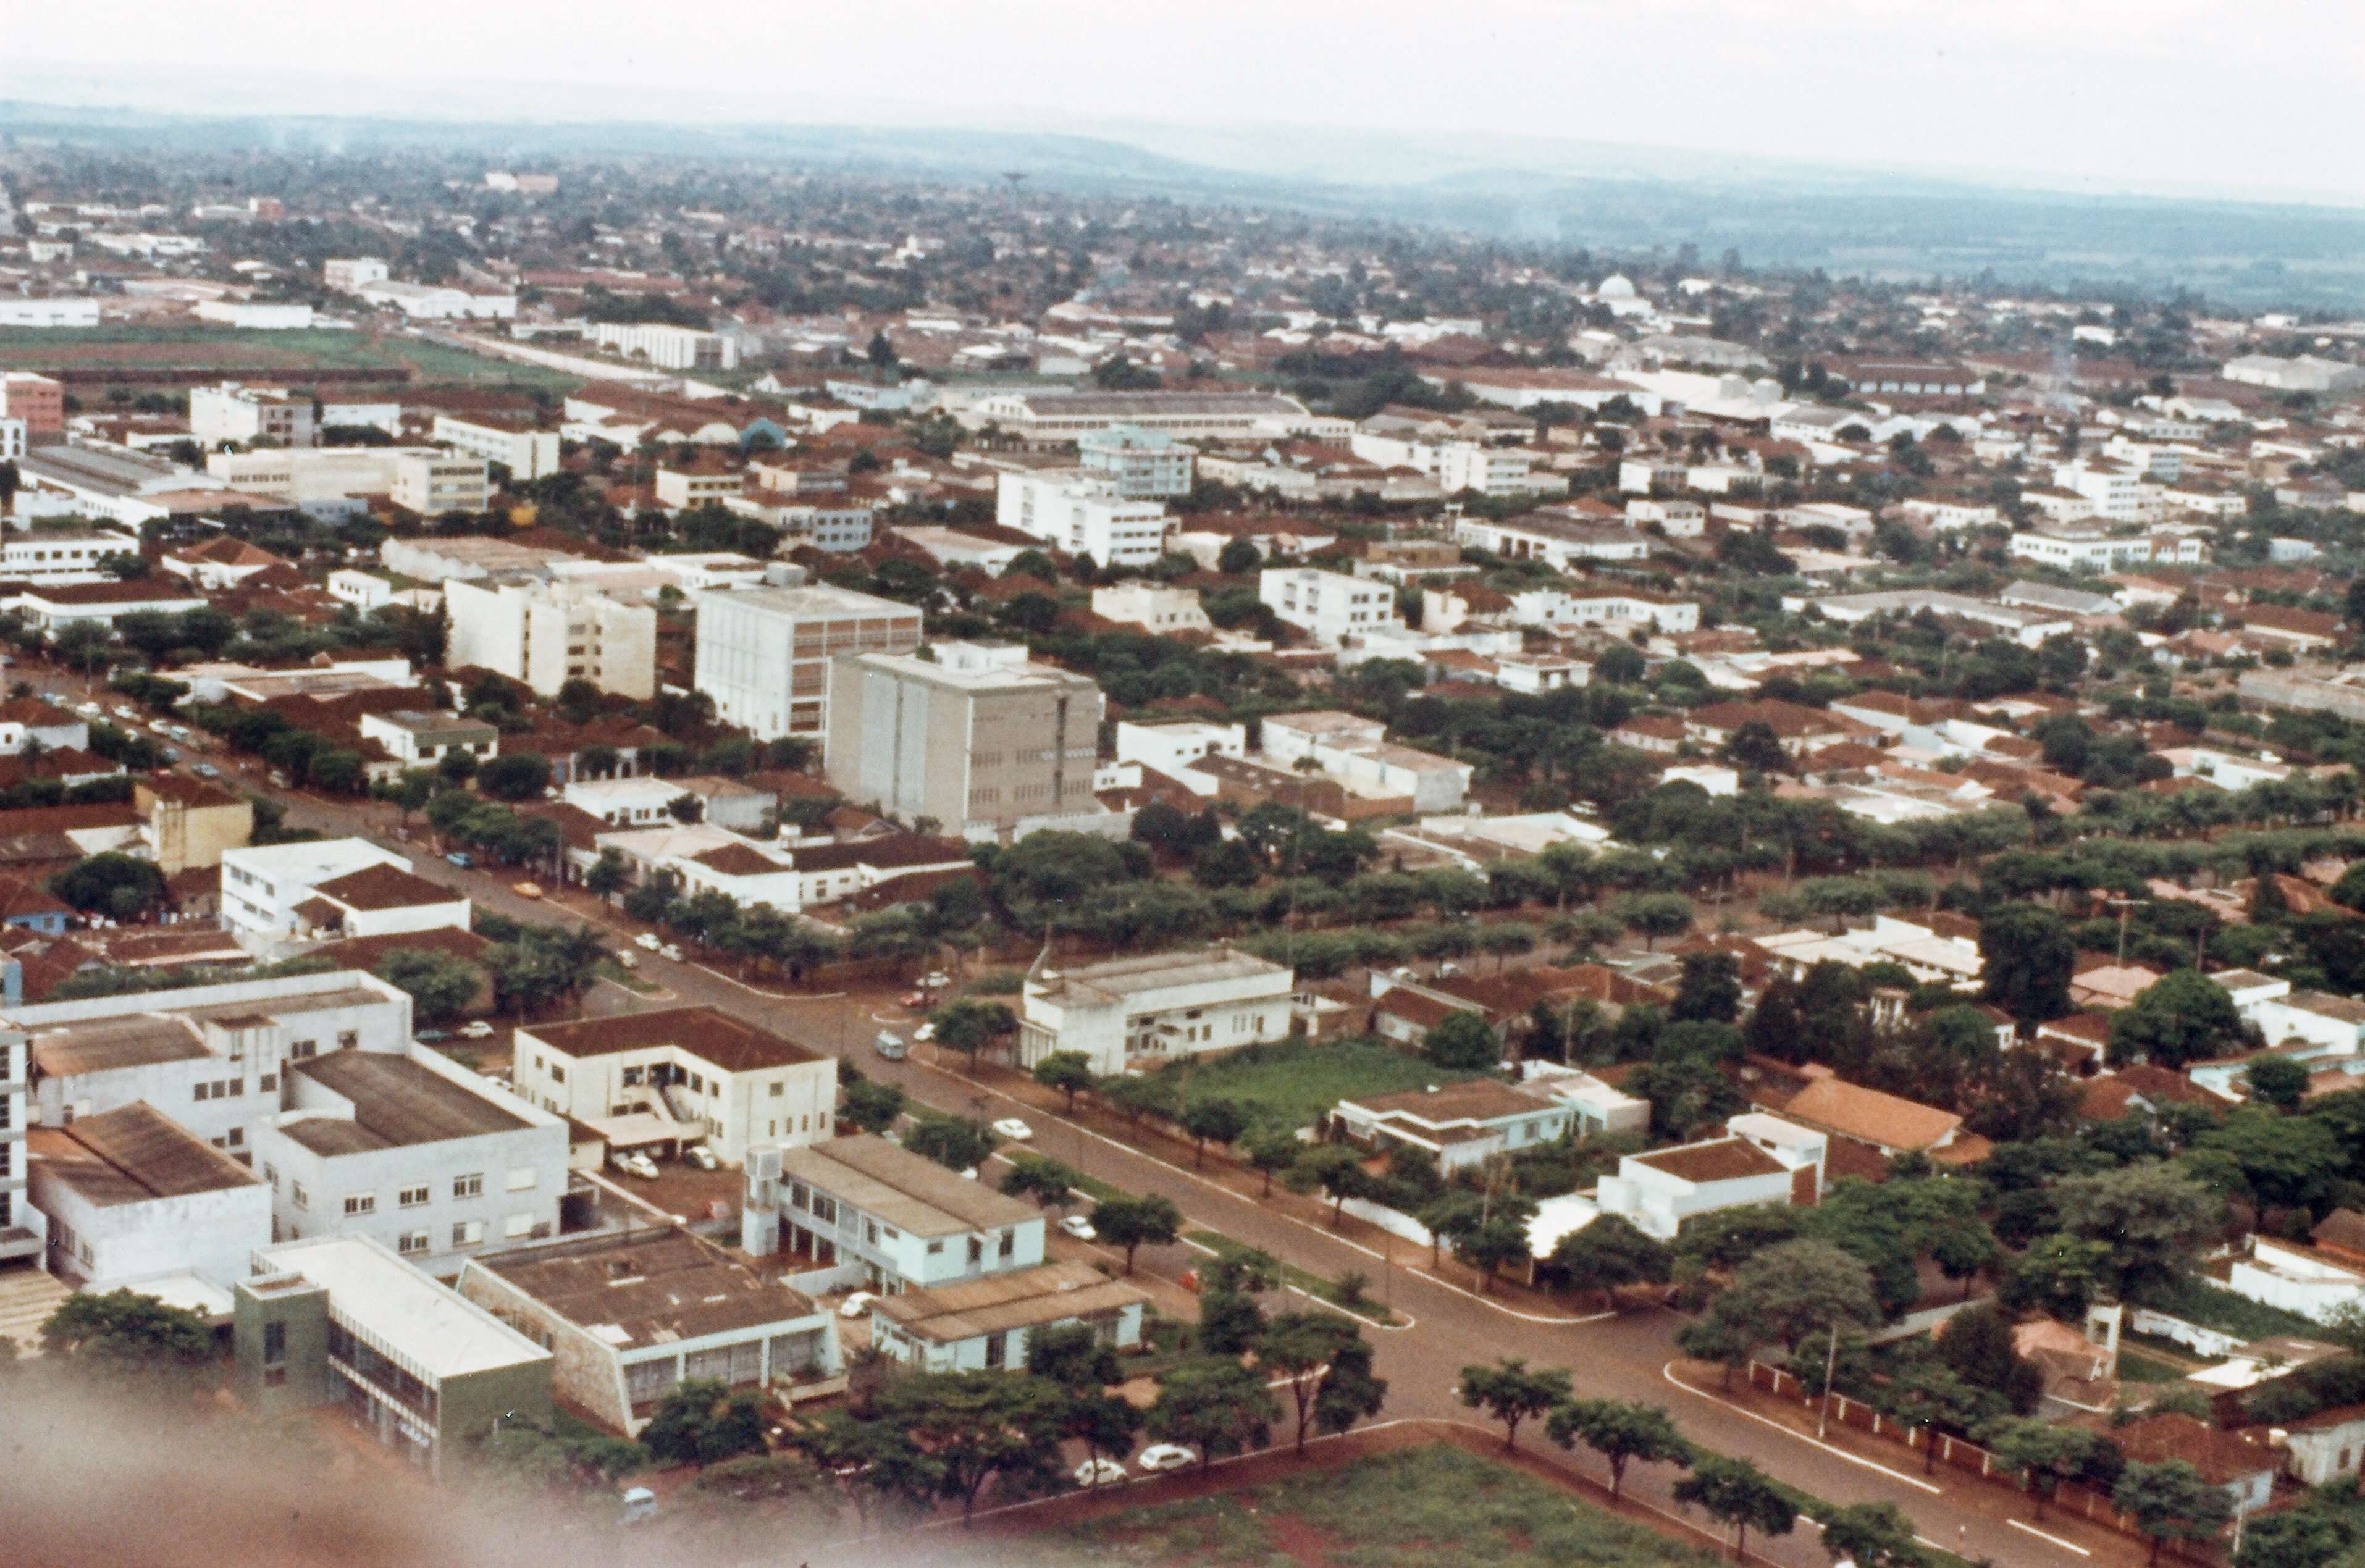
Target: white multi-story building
(1154,1008)
(882,1217)
(21,1224)
(131,1197)
(2085,549)
(413,1151)
(1084,514)
(1618,609)
(1760,1160)
(49,310)
(1558,542)
(1155,608)
(678,1076)
(261,884)
(546,634)
(684,485)
(1331,606)
(2115,490)
(1496,470)
(62,557)
(210,1056)
(764,654)
(249,416)
(423,738)
(668,347)
(424,479)
(1356,752)
(527,452)
(1143,464)
(348,274)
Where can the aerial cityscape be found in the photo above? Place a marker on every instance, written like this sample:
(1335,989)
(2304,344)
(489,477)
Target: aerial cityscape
(906,832)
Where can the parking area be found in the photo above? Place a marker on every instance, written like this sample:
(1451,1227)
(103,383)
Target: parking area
(683,1190)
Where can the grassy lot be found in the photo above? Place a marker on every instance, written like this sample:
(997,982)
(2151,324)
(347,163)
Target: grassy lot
(131,350)
(2212,1306)
(1291,1084)
(1401,1510)
(2137,1367)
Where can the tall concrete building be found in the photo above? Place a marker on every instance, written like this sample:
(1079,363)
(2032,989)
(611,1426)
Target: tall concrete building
(764,654)
(22,1228)
(975,737)
(546,634)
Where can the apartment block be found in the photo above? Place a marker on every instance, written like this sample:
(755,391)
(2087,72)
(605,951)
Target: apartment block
(251,416)
(1143,464)
(667,347)
(413,1151)
(882,1217)
(764,654)
(1154,1008)
(262,884)
(975,737)
(527,452)
(1331,606)
(36,400)
(1084,514)
(678,1076)
(546,634)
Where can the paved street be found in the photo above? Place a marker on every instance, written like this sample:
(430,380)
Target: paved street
(1449,1328)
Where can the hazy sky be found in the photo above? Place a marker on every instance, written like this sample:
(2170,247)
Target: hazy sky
(2260,96)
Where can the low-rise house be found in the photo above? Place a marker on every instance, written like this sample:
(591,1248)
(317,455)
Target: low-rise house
(1657,1192)
(341,1320)
(2241,1464)
(2324,1447)
(985,1323)
(1457,1128)
(862,1210)
(379,901)
(630,1316)
(1595,1107)
(413,1151)
(418,739)
(1888,1124)
(1153,1007)
(625,802)
(678,1076)
(262,884)
(131,1196)
(2298,1279)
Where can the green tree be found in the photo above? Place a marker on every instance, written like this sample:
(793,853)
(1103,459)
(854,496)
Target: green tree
(1132,1223)
(1511,1393)
(970,1025)
(1462,1040)
(513,776)
(1051,1184)
(701,1421)
(1067,1072)
(2152,1216)
(2040,1452)
(1620,1432)
(981,1426)
(1740,1495)
(2183,1017)
(609,875)
(1708,990)
(871,1105)
(1296,1349)
(2027,956)
(1977,1344)
(1611,1252)
(1270,1151)
(1653,915)
(440,986)
(120,886)
(953,1142)
(1931,1394)
(2169,1501)
(2276,1081)
(1237,557)
(129,1339)
(1798,1291)
(1871,1535)
(1073,1356)
(1211,1121)
(1215,1405)
(1335,1169)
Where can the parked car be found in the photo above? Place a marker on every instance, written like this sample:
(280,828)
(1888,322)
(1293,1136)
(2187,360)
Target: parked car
(432,1036)
(640,1503)
(670,951)
(1014,1129)
(1165,1456)
(461,858)
(890,1044)
(633,1163)
(93,709)
(857,1304)
(628,960)
(698,1154)
(526,890)
(646,940)
(123,710)
(926,1032)
(207,770)
(160,726)
(1079,1227)
(478,1030)
(916,999)
(937,979)
(1099,1473)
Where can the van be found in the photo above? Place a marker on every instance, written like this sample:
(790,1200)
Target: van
(891,1045)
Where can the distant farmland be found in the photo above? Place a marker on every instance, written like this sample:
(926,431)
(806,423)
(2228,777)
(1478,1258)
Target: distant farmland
(136,357)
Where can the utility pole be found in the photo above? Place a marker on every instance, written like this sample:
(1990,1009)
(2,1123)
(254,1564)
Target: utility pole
(2125,906)
(1831,1367)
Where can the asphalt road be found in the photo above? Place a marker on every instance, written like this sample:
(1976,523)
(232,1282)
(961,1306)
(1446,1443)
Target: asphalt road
(1623,1359)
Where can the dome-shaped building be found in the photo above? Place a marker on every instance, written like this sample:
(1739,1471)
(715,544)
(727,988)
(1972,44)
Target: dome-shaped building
(1617,285)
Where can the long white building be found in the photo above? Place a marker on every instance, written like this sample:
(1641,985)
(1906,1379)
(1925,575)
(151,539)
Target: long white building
(1084,514)
(1154,1008)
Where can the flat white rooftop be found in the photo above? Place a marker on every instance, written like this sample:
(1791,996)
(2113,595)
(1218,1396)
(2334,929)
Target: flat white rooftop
(434,1328)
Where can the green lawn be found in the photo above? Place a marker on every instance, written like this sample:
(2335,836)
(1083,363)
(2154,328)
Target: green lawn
(1291,1084)
(1412,1509)
(2205,1302)
(131,350)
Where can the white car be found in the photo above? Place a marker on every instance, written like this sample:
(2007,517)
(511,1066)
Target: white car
(670,951)
(93,709)
(857,1304)
(698,1154)
(1079,1227)
(122,711)
(936,981)
(648,940)
(1099,1473)
(633,1163)
(1165,1456)
(1014,1129)
(924,1032)
(477,1030)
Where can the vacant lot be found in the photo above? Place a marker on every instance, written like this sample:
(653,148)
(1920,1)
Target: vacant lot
(1413,1510)
(131,350)
(1293,1084)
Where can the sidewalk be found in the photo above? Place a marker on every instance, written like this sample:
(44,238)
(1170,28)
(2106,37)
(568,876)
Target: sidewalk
(1999,1500)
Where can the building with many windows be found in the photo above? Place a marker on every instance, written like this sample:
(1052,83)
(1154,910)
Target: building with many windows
(262,884)
(861,1211)
(666,346)
(1084,514)
(1331,606)
(678,1076)
(986,1324)
(249,415)
(131,1196)
(415,1153)
(527,451)
(1153,1008)
(341,1320)
(546,634)
(21,1224)
(1143,464)
(764,654)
